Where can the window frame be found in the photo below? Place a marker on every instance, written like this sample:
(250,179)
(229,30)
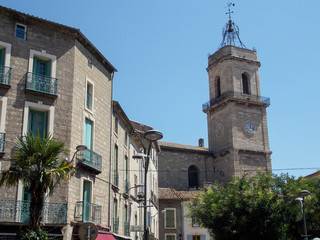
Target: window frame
(25,31)
(89,82)
(170,234)
(7,47)
(247,79)
(43,55)
(174,215)
(39,107)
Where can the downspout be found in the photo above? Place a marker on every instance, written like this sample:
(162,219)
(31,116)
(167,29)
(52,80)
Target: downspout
(110,157)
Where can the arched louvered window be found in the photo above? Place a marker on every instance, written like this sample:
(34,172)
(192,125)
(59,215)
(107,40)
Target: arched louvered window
(245,84)
(218,87)
(193,175)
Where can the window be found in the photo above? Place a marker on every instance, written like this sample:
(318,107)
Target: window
(125,217)
(89,62)
(21,31)
(88,133)
(89,95)
(193,177)
(149,219)
(37,122)
(170,218)
(115,216)
(218,87)
(170,236)
(126,173)
(195,223)
(42,118)
(86,201)
(115,166)
(2,56)
(245,84)
(126,139)
(5,70)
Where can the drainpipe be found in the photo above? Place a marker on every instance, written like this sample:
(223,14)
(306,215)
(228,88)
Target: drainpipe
(110,157)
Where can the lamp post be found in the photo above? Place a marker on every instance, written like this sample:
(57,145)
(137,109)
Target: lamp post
(151,136)
(303,193)
(78,149)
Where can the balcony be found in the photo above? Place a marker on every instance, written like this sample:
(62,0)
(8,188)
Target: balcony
(90,159)
(236,96)
(5,76)
(2,142)
(88,212)
(116,225)
(42,84)
(18,212)
(126,229)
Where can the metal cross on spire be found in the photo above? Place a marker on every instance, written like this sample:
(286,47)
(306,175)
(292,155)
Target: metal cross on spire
(230,33)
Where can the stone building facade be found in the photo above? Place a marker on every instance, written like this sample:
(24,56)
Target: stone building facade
(53,80)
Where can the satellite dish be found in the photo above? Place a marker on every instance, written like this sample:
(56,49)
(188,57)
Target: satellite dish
(88,231)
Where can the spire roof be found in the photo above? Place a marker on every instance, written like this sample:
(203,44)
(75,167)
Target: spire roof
(230,33)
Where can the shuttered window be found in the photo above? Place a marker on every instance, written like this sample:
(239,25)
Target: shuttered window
(170,218)
(2,54)
(170,237)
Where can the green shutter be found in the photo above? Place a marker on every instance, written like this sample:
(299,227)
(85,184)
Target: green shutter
(86,200)
(35,65)
(189,237)
(170,223)
(48,68)
(37,122)
(203,237)
(2,54)
(88,134)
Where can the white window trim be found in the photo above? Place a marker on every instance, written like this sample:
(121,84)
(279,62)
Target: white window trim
(89,117)
(7,57)
(41,107)
(81,188)
(45,56)
(170,234)
(3,102)
(25,31)
(175,219)
(88,81)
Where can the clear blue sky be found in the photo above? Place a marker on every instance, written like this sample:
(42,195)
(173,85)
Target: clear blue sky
(160,49)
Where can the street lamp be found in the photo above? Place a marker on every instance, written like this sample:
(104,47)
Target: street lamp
(303,193)
(151,136)
(78,149)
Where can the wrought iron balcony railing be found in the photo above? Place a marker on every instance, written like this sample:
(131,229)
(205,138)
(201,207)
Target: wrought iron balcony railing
(18,211)
(235,95)
(126,229)
(116,225)
(2,142)
(41,83)
(5,75)
(88,212)
(116,178)
(90,159)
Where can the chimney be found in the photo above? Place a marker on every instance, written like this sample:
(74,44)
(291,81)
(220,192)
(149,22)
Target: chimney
(201,142)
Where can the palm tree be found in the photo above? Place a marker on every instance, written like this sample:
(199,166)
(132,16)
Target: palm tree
(37,164)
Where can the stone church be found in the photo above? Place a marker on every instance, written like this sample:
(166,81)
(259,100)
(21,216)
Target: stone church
(237,137)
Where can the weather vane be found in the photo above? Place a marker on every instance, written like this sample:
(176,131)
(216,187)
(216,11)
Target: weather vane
(230,32)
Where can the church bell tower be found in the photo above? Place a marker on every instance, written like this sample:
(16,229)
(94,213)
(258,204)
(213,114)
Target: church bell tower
(236,112)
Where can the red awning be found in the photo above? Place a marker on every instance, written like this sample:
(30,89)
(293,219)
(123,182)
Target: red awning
(105,236)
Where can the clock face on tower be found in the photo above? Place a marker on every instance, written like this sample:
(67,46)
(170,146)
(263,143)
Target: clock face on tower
(250,127)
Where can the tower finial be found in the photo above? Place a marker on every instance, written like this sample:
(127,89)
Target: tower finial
(230,32)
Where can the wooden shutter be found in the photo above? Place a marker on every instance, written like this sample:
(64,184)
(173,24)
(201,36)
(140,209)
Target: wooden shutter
(2,54)
(170,219)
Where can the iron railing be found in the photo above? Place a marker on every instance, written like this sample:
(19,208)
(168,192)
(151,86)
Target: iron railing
(235,95)
(2,142)
(41,83)
(88,212)
(116,225)
(126,229)
(116,178)
(18,211)
(90,159)
(5,75)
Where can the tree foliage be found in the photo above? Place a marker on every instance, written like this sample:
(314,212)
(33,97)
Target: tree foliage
(262,207)
(37,164)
